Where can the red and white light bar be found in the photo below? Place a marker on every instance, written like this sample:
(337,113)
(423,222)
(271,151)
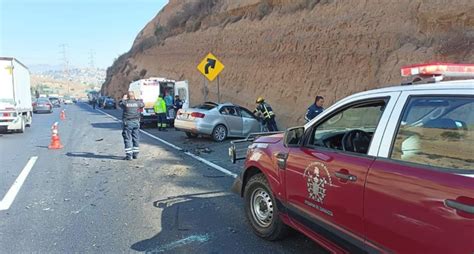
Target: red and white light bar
(437,69)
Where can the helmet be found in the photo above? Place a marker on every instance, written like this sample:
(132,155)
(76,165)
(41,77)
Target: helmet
(260,99)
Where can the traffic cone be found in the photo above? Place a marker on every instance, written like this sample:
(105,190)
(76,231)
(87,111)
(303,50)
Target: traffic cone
(55,142)
(62,115)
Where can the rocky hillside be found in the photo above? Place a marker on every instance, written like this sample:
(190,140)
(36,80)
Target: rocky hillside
(291,50)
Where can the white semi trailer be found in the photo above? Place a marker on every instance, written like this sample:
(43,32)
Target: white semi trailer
(16,110)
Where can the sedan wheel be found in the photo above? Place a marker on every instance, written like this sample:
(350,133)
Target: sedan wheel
(219,133)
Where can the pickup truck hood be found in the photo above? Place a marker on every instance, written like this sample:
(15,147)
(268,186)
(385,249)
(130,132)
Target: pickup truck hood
(272,139)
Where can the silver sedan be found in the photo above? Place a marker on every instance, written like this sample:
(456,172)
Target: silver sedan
(217,120)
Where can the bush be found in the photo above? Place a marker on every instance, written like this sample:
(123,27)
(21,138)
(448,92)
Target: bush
(161,32)
(143,73)
(263,9)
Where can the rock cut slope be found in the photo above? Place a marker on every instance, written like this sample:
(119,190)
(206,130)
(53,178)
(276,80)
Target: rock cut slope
(291,50)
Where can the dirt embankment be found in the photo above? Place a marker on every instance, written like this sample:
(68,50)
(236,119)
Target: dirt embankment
(291,50)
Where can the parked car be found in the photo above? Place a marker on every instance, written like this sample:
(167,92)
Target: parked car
(101,101)
(42,105)
(67,100)
(55,101)
(109,103)
(217,120)
(388,170)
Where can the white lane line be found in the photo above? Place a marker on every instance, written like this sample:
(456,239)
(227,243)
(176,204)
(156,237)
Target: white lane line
(15,188)
(210,164)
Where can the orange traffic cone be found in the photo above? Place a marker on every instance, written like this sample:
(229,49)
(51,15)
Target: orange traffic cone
(62,115)
(55,142)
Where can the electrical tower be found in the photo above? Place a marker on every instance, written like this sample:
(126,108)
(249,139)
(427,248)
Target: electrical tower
(65,60)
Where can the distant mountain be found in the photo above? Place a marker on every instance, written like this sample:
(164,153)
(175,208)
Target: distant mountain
(90,76)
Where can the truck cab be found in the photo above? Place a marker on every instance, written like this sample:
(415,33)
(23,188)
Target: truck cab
(149,89)
(386,170)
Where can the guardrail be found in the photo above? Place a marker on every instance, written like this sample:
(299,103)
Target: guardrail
(238,148)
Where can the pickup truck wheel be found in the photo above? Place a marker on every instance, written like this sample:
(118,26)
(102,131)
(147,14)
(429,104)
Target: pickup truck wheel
(219,133)
(191,135)
(261,210)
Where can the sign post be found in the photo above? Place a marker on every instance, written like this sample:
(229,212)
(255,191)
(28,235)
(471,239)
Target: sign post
(210,67)
(218,91)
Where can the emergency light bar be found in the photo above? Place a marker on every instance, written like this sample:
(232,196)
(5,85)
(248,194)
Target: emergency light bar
(438,69)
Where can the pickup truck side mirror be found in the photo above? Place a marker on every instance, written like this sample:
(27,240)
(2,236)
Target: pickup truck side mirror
(293,136)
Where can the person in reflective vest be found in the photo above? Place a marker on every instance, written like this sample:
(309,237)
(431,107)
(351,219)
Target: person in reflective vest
(160,110)
(266,112)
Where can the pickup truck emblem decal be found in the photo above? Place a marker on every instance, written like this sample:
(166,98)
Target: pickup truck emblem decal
(317,180)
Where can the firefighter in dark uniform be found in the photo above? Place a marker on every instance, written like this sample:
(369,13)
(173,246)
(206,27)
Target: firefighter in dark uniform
(266,112)
(315,109)
(131,124)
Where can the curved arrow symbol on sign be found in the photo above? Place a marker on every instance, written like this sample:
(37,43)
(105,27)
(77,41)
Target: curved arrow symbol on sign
(210,63)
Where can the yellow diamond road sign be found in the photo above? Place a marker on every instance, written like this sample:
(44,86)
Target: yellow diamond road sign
(210,67)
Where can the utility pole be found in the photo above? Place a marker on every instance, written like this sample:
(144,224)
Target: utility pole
(65,60)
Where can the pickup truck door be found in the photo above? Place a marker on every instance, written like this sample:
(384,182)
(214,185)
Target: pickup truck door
(420,191)
(325,183)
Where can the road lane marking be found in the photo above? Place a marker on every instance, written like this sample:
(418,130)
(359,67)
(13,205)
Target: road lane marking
(210,164)
(15,188)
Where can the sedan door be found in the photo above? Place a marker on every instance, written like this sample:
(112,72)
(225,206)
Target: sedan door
(250,123)
(233,119)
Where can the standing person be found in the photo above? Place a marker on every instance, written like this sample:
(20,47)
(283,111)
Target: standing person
(94,102)
(266,111)
(169,104)
(177,105)
(160,110)
(315,109)
(131,124)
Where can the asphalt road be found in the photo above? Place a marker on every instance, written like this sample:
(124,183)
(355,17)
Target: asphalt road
(85,198)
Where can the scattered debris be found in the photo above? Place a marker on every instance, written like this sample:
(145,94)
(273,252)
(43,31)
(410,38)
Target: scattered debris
(100,139)
(46,209)
(200,150)
(213,176)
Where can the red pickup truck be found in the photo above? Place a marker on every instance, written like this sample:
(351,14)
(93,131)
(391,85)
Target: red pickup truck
(386,170)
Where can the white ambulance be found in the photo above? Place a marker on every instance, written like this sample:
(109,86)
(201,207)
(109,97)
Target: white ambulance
(149,89)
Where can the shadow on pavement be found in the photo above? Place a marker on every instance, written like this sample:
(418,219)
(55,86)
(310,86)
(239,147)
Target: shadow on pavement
(213,222)
(109,125)
(93,155)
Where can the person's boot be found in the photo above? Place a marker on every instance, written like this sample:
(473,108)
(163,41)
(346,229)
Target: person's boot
(135,156)
(128,157)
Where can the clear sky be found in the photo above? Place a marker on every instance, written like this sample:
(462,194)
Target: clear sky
(33,30)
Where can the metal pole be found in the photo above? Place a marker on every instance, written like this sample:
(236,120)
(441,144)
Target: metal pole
(218,91)
(205,89)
